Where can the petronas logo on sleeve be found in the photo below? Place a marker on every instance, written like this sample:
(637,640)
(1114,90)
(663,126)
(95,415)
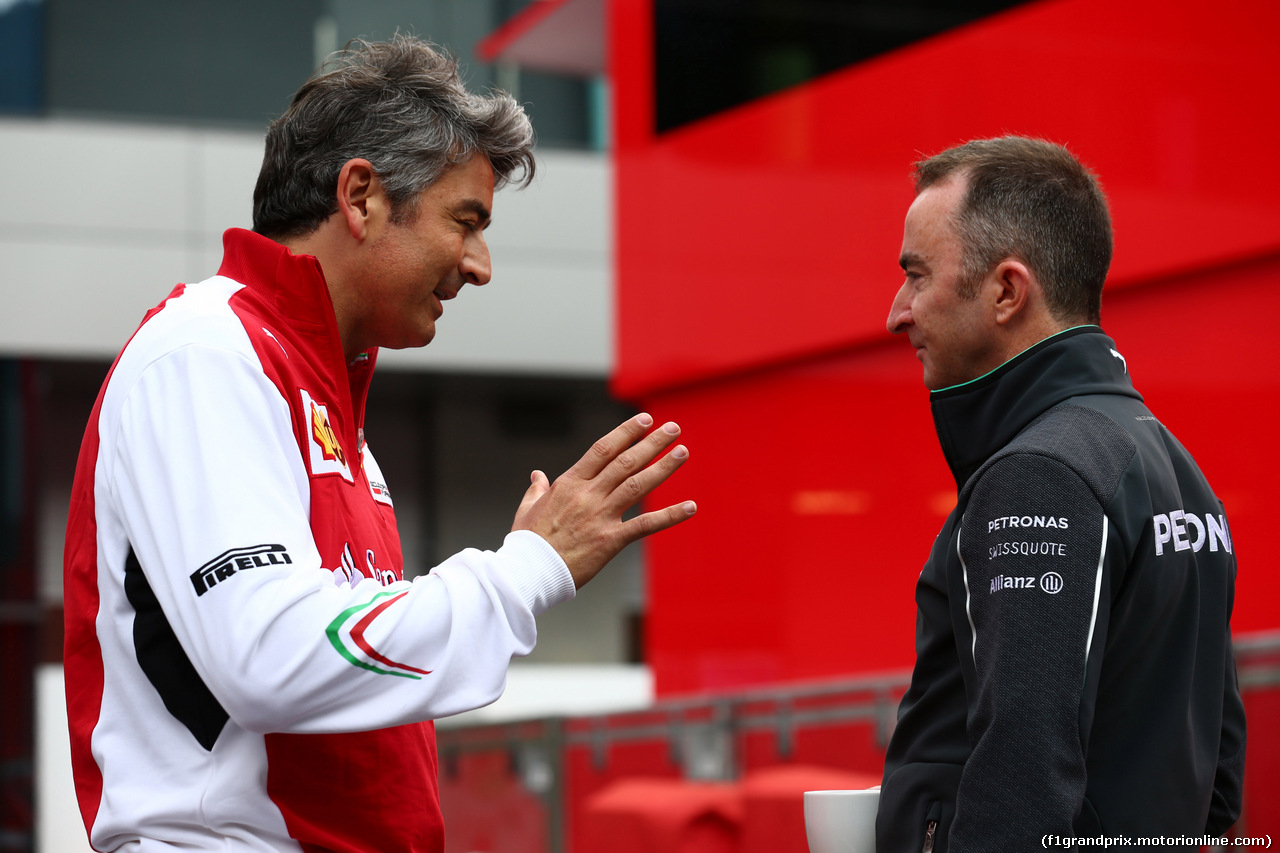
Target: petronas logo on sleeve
(347,634)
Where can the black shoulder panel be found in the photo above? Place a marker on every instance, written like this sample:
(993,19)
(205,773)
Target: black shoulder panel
(1084,439)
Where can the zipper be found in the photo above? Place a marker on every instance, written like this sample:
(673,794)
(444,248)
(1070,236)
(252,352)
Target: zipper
(931,827)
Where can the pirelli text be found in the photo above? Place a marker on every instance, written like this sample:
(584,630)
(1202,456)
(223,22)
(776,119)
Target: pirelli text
(1212,842)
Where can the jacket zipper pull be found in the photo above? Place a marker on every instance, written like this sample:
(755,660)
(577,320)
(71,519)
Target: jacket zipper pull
(929,829)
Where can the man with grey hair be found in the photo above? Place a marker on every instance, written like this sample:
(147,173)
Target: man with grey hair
(1074,675)
(247,668)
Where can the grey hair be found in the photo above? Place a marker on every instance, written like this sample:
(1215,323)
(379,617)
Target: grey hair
(1032,200)
(402,106)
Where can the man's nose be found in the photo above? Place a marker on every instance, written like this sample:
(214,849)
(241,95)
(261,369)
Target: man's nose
(475,266)
(899,312)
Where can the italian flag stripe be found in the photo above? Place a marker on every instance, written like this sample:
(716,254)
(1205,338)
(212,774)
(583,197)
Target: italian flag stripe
(356,635)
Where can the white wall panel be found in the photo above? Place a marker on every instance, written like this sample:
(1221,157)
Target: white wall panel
(59,827)
(536,316)
(568,207)
(226,168)
(81,297)
(103,219)
(82,175)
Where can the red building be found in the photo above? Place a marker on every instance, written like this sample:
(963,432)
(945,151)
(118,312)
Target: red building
(756,253)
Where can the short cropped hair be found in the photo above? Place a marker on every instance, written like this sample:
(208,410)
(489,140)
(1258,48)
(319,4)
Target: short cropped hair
(402,106)
(1033,200)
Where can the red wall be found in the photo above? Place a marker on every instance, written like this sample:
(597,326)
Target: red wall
(772,230)
(821,486)
(756,255)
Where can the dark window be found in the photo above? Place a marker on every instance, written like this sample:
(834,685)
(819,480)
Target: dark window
(21,56)
(711,55)
(236,61)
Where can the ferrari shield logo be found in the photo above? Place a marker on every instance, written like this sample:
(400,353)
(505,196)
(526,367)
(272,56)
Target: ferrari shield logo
(327,455)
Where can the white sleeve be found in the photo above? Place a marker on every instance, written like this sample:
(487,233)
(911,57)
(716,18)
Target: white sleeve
(203,467)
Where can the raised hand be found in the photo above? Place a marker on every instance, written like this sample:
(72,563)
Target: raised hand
(580,514)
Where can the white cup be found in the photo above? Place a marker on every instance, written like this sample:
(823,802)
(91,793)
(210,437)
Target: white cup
(841,821)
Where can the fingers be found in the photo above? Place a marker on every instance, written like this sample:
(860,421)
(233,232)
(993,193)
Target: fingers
(651,522)
(622,453)
(632,488)
(607,449)
(635,458)
(538,486)
(581,513)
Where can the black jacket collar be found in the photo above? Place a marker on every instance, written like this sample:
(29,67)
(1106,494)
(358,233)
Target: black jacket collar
(976,419)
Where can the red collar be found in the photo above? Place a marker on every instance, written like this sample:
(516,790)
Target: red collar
(293,288)
(293,285)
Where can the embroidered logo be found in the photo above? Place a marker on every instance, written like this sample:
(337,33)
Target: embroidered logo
(1027,549)
(377,483)
(348,573)
(348,634)
(327,455)
(323,434)
(1005,521)
(381,493)
(1052,582)
(1187,532)
(277,340)
(228,563)
(1001,582)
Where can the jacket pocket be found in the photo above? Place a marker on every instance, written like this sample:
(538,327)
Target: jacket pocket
(931,820)
(917,805)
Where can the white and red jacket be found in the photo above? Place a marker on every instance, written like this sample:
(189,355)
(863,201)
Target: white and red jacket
(246,667)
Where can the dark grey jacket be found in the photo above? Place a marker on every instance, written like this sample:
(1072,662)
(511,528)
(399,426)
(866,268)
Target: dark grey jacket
(1074,672)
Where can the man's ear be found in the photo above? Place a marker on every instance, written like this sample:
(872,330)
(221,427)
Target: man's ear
(1013,282)
(361,200)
